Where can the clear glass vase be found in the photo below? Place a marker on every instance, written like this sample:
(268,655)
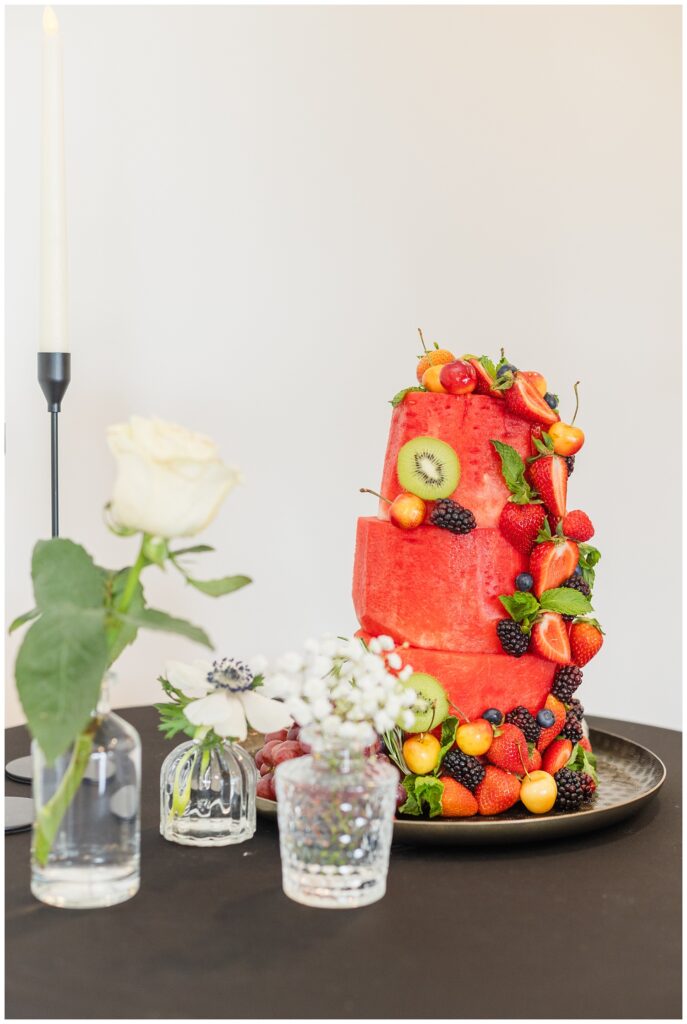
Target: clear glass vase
(207,795)
(336,811)
(94,858)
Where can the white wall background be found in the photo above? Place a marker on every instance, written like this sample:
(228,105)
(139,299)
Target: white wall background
(264,203)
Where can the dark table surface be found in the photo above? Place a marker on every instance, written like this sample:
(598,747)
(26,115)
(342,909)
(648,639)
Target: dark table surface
(576,928)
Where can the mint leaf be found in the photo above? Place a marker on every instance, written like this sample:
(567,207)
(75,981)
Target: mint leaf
(59,671)
(589,558)
(582,760)
(398,398)
(64,573)
(513,470)
(565,601)
(422,790)
(488,366)
(412,804)
(448,737)
(429,790)
(544,445)
(520,606)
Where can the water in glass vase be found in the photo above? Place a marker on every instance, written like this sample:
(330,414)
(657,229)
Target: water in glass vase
(94,858)
(335,811)
(207,795)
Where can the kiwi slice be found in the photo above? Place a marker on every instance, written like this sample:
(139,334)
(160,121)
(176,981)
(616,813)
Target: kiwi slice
(432,706)
(428,467)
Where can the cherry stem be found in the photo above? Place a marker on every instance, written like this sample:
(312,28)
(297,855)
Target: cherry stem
(366,490)
(419,331)
(522,761)
(461,713)
(577,402)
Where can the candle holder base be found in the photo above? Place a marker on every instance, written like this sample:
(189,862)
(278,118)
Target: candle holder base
(54,375)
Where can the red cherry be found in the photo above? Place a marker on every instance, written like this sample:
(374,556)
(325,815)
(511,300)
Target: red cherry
(458,378)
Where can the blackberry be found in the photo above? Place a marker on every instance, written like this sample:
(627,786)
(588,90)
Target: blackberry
(576,708)
(449,515)
(464,769)
(571,790)
(570,463)
(578,583)
(572,730)
(512,638)
(566,681)
(588,785)
(521,717)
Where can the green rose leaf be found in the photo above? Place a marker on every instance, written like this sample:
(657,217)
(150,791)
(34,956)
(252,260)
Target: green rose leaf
(64,573)
(152,618)
(520,606)
(217,588)
(59,670)
(513,470)
(565,601)
(197,549)
(398,398)
(21,620)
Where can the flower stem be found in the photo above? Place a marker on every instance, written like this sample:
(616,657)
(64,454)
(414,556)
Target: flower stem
(51,814)
(132,579)
(180,798)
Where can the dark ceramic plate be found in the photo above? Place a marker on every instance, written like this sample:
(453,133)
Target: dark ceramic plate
(629,776)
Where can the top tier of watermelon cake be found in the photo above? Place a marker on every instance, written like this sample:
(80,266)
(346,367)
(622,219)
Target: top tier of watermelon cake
(473,564)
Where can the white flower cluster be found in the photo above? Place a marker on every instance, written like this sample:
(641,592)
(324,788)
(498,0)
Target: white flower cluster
(343,688)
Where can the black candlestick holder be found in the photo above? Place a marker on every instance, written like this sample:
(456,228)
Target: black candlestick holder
(54,375)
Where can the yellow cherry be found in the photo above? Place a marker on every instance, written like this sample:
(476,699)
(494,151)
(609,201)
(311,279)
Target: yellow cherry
(538,792)
(421,753)
(475,738)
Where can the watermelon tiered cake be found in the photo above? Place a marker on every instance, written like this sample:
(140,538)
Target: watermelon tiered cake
(476,569)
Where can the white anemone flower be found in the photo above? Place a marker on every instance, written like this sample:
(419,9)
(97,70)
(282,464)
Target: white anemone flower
(223,698)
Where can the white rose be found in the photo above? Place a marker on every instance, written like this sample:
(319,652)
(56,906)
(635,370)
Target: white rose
(170,482)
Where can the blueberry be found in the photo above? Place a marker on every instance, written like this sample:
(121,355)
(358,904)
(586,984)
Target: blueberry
(505,369)
(578,571)
(494,716)
(523,581)
(551,400)
(545,718)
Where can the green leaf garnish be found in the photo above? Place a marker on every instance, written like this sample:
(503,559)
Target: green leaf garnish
(589,558)
(399,396)
(422,790)
(513,471)
(582,760)
(565,601)
(522,607)
(448,737)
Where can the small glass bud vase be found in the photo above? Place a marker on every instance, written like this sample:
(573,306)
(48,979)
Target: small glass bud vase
(207,795)
(336,811)
(89,854)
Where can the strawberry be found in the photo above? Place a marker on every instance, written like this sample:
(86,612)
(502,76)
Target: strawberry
(549,474)
(547,736)
(557,756)
(585,744)
(485,382)
(524,400)
(497,791)
(456,801)
(586,639)
(520,524)
(509,749)
(578,525)
(551,563)
(534,761)
(549,638)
